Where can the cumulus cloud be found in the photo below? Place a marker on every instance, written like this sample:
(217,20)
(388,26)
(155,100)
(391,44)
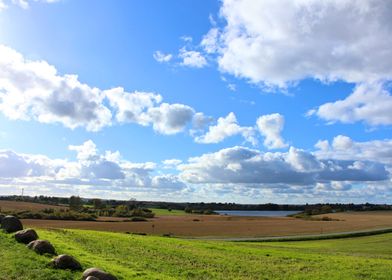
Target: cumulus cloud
(92,171)
(287,41)
(192,58)
(146,109)
(132,107)
(93,165)
(170,118)
(14,165)
(344,148)
(271,126)
(242,165)
(226,127)
(232,173)
(370,103)
(171,163)
(34,90)
(161,57)
(200,121)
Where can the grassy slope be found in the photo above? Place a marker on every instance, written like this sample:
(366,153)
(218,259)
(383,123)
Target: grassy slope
(19,263)
(146,257)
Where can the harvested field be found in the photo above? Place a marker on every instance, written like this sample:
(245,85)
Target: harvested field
(225,226)
(6,205)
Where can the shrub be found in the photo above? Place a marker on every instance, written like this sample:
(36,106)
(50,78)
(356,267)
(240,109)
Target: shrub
(139,212)
(138,219)
(54,215)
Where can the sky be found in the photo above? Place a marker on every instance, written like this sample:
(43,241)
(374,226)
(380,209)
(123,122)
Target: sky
(246,101)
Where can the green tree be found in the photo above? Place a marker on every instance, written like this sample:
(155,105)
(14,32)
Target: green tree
(97,203)
(75,203)
(122,211)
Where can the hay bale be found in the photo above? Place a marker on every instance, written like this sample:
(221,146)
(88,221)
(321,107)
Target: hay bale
(92,278)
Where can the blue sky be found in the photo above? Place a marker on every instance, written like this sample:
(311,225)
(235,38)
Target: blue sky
(241,101)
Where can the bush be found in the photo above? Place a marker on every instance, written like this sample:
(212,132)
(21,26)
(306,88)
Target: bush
(139,212)
(55,215)
(138,219)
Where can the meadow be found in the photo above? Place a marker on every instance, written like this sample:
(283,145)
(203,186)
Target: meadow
(150,257)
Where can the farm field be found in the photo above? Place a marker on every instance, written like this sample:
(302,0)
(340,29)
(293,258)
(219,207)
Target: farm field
(225,226)
(148,257)
(165,212)
(6,205)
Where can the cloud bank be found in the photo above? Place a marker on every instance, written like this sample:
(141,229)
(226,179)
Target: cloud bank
(331,170)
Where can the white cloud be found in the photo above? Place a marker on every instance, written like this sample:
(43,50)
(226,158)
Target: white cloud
(240,165)
(287,41)
(171,163)
(232,87)
(344,148)
(192,58)
(94,172)
(186,39)
(13,165)
(170,118)
(369,103)
(200,121)
(34,90)
(3,6)
(209,41)
(226,127)
(303,161)
(146,108)
(168,182)
(93,165)
(271,126)
(161,57)
(131,107)
(24,4)
(85,152)
(232,173)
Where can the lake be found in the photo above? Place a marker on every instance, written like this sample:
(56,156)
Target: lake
(257,213)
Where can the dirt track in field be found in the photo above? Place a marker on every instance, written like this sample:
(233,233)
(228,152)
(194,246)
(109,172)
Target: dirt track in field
(225,226)
(6,205)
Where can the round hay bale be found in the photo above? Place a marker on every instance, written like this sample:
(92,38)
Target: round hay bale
(26,236)
(42,247)
(92,278)
(11,224)
(97,273)
(66,262)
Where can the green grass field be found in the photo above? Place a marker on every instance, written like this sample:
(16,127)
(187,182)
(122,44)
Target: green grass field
(165,212)
(149,257)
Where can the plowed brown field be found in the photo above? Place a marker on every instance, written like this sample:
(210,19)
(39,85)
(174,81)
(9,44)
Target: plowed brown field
(225,226)
(25,206)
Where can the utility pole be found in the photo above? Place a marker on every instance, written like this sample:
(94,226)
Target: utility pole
(22,192)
